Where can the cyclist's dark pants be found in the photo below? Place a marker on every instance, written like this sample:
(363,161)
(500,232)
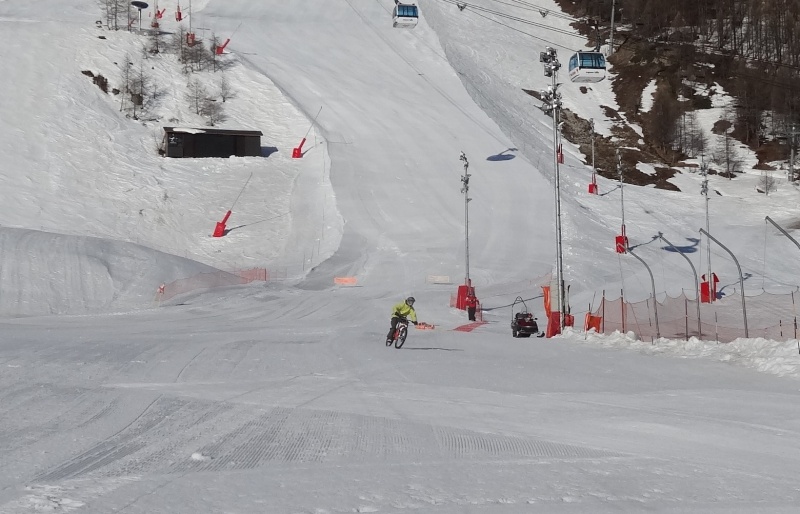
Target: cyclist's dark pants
(390,335)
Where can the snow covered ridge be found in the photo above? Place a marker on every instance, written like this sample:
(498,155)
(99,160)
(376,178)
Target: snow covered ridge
(95,170)
(780,358)
(46,273)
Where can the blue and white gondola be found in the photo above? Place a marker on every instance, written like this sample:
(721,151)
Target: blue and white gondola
(587,66)
(405,14)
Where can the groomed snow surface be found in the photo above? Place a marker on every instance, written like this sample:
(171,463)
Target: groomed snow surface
(280,397)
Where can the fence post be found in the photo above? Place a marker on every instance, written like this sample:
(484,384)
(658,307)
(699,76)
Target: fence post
(696,284)
(603,304)
(794,315)
(741,279)
(653,284)
(686,313)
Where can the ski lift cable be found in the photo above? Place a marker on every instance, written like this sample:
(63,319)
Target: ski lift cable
(432,84)
(520,4)
(514,18)
(455,2)
(416,35)
(704,46)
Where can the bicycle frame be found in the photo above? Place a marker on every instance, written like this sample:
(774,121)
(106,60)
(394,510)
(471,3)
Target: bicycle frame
(400,332)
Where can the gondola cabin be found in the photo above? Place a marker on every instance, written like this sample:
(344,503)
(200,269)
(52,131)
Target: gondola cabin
(405,15)
(587,67)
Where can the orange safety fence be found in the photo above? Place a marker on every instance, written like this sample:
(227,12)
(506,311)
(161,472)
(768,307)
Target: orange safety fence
(769,315)
(211,280)
(345,281)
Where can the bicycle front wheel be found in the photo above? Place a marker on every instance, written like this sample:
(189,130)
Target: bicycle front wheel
(401,337)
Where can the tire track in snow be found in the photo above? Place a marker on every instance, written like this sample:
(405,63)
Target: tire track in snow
(293,435)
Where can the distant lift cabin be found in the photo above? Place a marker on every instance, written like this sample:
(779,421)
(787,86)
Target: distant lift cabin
(405,14)
(587,66)
(206,142)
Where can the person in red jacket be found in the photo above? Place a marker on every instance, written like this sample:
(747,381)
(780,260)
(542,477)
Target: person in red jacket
(471,303)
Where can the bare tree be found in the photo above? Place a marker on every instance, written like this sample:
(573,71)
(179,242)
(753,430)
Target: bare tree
(156,42)
(115,11)
(198,56)
(695,139)
(726,155)
(213,111)
(108,12)
(766,183)
(214,44)
(180,47)
(127,78)
(142,91)
(225,89)
(663,117)
(197,95)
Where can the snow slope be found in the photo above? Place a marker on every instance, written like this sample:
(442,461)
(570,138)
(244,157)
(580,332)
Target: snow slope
(280,396)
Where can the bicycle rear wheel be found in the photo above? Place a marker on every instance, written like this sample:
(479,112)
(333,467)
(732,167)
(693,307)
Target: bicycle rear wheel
(401,337)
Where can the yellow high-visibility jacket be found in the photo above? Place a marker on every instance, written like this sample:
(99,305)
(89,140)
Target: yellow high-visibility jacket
(404,310)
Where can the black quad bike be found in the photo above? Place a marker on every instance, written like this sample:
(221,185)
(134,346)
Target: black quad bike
(523,324)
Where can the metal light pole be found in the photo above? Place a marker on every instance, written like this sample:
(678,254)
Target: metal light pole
(696,282)
(465,189)
(783,231)
(622,198)
(653,285)
(552,103)
(593,187)
(594,170)
(704,190)
(741,279)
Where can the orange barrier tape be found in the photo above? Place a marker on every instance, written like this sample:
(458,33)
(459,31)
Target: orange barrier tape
(425,326)
(439,279)
(344,281)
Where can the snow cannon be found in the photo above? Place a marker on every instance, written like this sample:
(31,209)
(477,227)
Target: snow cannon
(219,230)
(297,152)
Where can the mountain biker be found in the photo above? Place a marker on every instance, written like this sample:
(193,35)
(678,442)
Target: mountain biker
(404,309)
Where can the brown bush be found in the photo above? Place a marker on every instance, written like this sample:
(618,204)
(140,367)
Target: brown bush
(102,83)
(98,79)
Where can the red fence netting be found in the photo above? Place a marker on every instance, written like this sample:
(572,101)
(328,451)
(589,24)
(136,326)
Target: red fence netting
(771,316)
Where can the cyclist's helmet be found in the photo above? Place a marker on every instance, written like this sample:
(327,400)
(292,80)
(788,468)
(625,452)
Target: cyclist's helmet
(410,301)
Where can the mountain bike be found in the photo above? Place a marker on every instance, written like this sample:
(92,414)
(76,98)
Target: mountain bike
(400,334)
